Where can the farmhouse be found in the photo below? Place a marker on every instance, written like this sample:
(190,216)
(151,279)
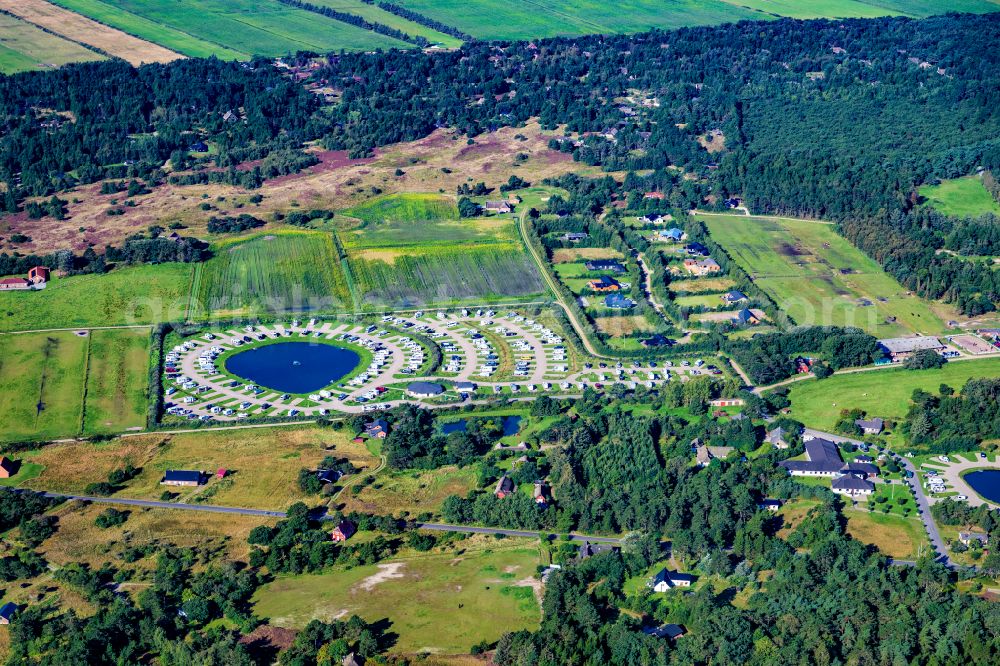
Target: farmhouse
(7,612)
(734,296)
(605,265)
(424,390)
(702,267)
(540,493)
(574,237)
(590,549)
(618,302)
(900,349)
(776,438)
(705,454)
(605,283)
(379,429)
(666,580)
(671,631)
(181,477)
(674,235)
(8,468)
(748,317)
(870,426)
(343,531)
(38,276)
(968,537)
(499,206)
(504,487)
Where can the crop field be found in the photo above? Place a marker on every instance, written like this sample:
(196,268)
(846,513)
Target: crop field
(134,24)
(24,47)
(374,14)
(961,197)
(566,255)
(117,377)
(623,326)
(810,9)
(884,393)
(263,463)
(444,273)
(436,603)
(41,385)
(79,28)
(817,277)
(264,27)
(128,295)
(275,272)
(701,285)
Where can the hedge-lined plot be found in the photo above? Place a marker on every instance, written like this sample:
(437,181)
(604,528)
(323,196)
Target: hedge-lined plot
(264,27)
(41,385)
(24,47)
(444,274)
(117,377)
(287,271)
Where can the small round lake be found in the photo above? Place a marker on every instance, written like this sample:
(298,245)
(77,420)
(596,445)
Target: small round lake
(986,482)
(293,367)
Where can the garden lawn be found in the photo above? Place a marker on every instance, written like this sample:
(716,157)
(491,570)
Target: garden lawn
(41,385)
(286,271)
(437,603)
(117,379)
(961,197)
(125,296)
(882,392)
(817,277)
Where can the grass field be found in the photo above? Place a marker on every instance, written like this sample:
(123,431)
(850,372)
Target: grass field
(701,285)
(128,295)
(817,277)
(24,47)
(810,9)
(135,24)
(263,463)
(413,492)
(41,385)
(884,393)
(117,377)
(437,603)
(264,27)
(374,14)
(79,28)
(961,197)
(285,271)
(895,536)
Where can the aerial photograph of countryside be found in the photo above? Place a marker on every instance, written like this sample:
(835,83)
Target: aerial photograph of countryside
(499,333)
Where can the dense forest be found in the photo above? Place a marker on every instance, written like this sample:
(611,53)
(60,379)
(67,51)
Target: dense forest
(953,421)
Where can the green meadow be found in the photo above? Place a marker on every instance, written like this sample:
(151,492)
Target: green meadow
(375,14)
(883,392)
(232,28)
(961,197)
(816,276)
(128,295)
(439,603)
(25,47)
(117,378)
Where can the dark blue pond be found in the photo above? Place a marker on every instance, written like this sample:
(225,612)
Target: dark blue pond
(986,483)
(293,367)
(511,424)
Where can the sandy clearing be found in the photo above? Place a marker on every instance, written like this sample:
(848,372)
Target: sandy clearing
(386,572)
(83,30)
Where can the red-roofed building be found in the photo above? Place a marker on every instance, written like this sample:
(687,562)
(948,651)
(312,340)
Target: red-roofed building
(654,195)
(38,275)
(8,284)
(343,531)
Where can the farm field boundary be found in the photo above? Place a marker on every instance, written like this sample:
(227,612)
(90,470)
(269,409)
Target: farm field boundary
(25,46)
(817,277)
(83,30)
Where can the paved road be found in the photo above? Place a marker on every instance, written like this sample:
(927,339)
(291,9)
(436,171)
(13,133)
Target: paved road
(439,527)
(923,506)
(210,508)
